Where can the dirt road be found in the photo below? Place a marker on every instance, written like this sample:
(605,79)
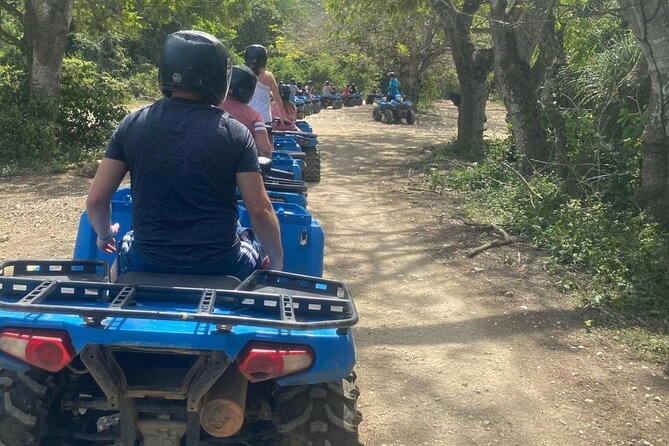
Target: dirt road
(452,351)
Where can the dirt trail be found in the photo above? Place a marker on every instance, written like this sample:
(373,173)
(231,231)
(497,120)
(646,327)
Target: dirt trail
(452,351)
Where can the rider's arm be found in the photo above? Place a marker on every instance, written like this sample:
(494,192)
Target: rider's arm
(98,203)
(263,220)
(261,137)
(275,93)
(262,143)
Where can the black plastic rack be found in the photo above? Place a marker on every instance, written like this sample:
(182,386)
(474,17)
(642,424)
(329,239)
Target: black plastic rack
(266,299)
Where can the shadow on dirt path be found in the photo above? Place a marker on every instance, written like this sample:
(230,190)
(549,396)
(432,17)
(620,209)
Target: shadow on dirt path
(455,350)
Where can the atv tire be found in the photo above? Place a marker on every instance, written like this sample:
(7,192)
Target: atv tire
(319,415)
(389,116)
(312,170)
(411,117)
(376,114)
(24,402)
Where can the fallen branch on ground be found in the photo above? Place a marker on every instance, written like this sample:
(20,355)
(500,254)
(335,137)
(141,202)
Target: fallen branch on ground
(420,189)
(506,239)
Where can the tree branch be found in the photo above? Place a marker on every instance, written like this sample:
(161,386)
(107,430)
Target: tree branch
(506,239)
(13,10)
(10,39)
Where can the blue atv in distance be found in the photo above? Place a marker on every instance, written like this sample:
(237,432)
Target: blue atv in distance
(91,358)
(351,100)
(394,111)
(374,97)
(304,107)
(334,101)
(303,143)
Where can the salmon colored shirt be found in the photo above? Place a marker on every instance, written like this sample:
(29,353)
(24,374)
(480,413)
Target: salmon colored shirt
(245,114)
(291,115)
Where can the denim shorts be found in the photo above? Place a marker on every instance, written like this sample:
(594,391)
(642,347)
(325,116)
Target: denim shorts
(242,264)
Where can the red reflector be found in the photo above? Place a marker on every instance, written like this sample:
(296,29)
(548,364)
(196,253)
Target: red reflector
(260,362)
(49,350)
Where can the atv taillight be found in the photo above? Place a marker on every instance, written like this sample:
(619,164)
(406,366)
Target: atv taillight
(46,349)
(260,361)
(302,142)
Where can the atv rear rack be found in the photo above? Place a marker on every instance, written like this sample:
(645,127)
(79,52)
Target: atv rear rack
(266,299)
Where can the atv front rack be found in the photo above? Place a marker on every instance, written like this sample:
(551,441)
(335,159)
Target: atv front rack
(266,299)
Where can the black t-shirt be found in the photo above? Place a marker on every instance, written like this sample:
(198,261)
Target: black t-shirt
(183,156)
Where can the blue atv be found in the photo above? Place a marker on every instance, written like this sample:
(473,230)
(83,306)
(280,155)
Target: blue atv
(334,101)
(303,106)
(353,99)
(304,142)
(374,97)
(394,111)
(88,357)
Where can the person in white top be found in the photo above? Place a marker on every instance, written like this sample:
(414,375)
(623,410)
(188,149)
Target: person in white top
(255,58)
(327,90)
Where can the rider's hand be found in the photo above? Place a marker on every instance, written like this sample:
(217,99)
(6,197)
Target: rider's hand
(108,243)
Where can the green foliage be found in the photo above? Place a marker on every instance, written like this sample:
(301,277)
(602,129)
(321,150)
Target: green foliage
(61,130)
(588,26)
(91,104)
(406,37)
(143,83)
(595,82)
(340,69)
(625,253)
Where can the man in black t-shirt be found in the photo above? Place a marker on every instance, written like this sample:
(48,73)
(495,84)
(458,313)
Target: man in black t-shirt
(185,160)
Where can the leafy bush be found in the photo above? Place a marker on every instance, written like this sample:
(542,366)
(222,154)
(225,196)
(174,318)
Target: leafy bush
(626,254)
(91,104)
(66,129)
(143,84)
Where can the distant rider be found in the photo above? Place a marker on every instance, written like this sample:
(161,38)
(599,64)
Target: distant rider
(289,110)
(255,56)
(242,88)
(293,88)
(393,87)
(186,158)
(327,90)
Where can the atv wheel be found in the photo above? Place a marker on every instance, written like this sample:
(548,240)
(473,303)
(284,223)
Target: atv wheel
(312,170)
(389,116)
(24,402)
(376,113)
(319,415)
(411,117)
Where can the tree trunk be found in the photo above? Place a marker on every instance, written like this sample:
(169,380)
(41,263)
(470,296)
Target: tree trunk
(47,27)
(513,74)
(473,98)
(473,67)
(649,19)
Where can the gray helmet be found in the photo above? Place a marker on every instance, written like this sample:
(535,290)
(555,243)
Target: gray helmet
(195,61)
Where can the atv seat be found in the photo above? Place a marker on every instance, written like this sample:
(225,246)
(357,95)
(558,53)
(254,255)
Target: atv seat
(179,280)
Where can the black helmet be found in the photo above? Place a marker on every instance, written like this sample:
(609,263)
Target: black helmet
(284,92)
(391,74)
(310,82)
(195,61)
(299,84)
(255,57)
(243,83)
(292,81)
